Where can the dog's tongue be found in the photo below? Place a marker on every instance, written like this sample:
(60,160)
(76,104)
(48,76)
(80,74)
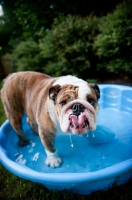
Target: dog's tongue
(78,121)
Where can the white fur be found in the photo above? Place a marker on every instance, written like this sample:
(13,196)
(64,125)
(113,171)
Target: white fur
(65,113)
(52,160)
(83,85)
(51,109)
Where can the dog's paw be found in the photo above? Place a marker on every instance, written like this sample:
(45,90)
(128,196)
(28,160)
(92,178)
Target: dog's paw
(53,160)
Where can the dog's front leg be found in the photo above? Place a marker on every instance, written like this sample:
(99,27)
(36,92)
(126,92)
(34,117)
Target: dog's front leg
(53,159)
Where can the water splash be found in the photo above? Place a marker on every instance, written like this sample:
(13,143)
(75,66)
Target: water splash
(21,160)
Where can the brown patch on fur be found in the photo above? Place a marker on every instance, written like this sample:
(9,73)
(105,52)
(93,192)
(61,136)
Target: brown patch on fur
(53,91)
(94,96)
(67,93)
(92,99)
(95,89)
(27,92)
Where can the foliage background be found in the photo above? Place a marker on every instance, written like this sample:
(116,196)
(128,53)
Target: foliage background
(114,42)
(61,37)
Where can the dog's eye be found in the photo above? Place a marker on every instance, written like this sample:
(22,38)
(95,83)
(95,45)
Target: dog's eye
(91,101)
(62,103)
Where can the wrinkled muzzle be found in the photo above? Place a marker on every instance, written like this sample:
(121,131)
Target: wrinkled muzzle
(78,117)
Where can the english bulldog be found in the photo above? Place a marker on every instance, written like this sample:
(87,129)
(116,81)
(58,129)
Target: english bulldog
(50,103)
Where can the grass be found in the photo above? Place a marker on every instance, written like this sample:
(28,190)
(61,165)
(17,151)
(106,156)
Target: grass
(13,187)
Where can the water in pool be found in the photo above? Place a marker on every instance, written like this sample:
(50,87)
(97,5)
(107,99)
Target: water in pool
(82,153)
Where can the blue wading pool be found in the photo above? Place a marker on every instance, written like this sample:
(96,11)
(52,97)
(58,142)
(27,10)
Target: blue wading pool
(90,162)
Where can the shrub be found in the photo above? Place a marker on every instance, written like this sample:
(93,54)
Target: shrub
(114,43)
(67,47)
(27,56)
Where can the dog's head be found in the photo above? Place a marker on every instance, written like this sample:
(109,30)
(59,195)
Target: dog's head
(76,107)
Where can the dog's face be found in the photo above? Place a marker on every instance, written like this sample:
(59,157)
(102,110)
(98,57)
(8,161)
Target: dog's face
(75,108)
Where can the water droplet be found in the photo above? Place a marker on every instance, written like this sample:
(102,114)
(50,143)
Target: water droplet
(71,140)
(93,135)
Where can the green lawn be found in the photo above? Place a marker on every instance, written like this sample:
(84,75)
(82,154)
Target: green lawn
(14,188)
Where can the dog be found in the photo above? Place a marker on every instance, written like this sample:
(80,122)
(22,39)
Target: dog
(50,103)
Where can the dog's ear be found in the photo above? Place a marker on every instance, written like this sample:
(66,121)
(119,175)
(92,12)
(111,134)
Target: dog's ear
(53,91)
(96,89)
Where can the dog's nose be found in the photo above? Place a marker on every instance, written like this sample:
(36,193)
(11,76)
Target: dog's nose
(78,108)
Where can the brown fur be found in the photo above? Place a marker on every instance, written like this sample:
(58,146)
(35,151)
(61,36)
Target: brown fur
(19,92)
(66,94)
